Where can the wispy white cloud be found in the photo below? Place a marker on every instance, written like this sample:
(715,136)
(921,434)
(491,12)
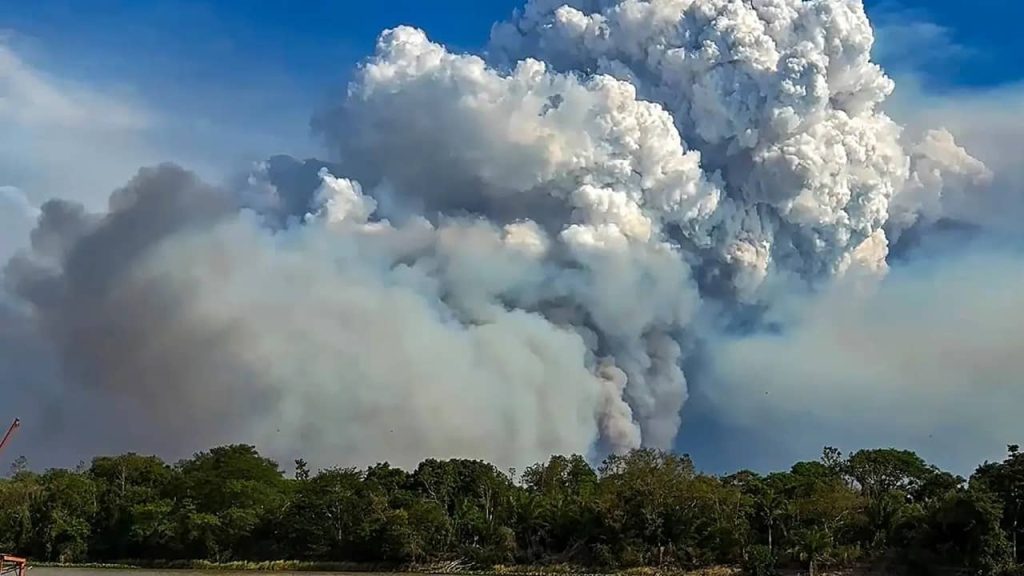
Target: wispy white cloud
(67,139)
(31,98)
(908,41)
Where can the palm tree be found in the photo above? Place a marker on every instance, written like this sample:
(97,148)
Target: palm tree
(813,546)
(770,506)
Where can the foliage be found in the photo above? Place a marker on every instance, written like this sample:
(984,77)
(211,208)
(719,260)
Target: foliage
(646,508)
(759,561)
(1006,481)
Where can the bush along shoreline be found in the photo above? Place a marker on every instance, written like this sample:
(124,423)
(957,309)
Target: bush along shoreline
(439,568)
(644,513)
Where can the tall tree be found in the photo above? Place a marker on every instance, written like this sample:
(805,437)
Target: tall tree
(62,515)
(1006,480)
(236,490)
(129,488)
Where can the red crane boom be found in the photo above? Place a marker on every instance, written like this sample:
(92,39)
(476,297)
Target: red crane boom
(10,432)
(11,565)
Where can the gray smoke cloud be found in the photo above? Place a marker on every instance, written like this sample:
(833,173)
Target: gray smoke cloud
(515,255)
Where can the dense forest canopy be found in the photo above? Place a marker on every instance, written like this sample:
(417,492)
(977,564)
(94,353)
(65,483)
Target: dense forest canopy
(644,508)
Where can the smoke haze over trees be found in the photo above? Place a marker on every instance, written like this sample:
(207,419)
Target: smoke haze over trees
(623,215)
(644,508)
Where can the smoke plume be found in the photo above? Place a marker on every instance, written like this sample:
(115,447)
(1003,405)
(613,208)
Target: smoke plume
(513,255)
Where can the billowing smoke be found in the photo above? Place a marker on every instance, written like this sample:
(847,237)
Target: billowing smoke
(506,256)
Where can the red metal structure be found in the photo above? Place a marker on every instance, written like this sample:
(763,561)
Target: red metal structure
(12,565)
(10,432)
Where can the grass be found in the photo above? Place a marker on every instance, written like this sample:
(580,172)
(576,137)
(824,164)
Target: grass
(241,566)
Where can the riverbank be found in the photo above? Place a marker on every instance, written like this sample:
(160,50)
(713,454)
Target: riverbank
(447,568)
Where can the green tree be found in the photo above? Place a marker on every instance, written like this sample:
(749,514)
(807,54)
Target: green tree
(962,531)
(128,487)
(62,515)
(242,491)
(17,496)
(326,516)
(887,471)
(813,546)
(646,505)
(642,508)
(301,470)
(18,466)
(1006,480)
(555,512)
(430,531)
(479,499)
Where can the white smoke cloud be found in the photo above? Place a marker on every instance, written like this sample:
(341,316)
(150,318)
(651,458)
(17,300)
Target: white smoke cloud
(594,168)
(987,123)
(508,257)
(779,97)
(195,314)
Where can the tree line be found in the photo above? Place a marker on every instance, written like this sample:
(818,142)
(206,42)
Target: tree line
(645,508)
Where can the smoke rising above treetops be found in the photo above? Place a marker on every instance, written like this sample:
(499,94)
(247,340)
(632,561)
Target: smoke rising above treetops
(523,253)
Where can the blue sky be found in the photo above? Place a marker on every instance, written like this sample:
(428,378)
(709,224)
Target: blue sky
(261,67)
(312,42)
